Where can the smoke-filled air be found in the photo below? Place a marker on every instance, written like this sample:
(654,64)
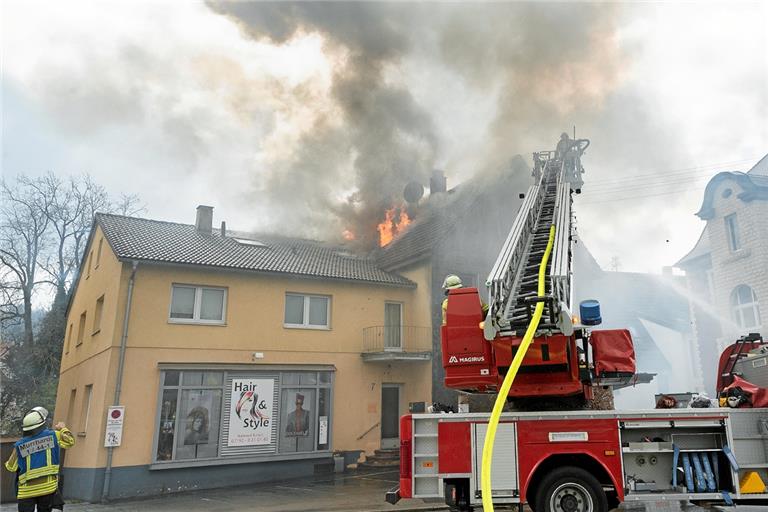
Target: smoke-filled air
(368,136)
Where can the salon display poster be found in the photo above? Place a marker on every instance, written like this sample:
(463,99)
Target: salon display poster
(251,412)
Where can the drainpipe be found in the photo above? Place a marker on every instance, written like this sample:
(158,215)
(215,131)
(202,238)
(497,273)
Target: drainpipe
(119,383)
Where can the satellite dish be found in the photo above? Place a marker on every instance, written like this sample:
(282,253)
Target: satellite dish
(413,192)
(564,320)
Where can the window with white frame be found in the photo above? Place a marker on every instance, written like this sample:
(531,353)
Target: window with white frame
(198,304)
(307,311)
(732,232)
(745,308)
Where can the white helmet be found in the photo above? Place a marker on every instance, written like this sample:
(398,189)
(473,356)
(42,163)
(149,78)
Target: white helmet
(33,420)
(42,410)
(451,282)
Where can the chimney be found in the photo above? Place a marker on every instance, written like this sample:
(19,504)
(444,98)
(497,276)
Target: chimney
(437,183)
(204,220)
(223,229)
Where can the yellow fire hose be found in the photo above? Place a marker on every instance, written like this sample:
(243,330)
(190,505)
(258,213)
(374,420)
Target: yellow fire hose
(501,398)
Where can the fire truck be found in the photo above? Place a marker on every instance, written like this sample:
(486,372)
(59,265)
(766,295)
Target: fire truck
(571,460)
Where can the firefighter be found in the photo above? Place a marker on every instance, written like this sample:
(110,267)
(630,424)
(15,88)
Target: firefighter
(563,146)
(453,282)
(35,460)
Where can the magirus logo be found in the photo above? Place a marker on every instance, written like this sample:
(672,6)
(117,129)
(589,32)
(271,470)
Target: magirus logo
(466,359)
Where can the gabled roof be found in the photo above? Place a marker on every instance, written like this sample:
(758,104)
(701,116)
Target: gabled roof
(702,248)
(760,168)
(133,238)
(754,186)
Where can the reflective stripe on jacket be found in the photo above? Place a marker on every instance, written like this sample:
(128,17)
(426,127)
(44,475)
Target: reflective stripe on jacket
(35,459)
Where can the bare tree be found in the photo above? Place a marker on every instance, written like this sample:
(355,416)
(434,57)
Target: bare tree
(23,238)
(70,213)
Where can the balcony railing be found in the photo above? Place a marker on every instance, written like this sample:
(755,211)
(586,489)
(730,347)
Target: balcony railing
(397,343)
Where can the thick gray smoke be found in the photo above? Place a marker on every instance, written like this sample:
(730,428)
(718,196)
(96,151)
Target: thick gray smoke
(389,138)
(548,66)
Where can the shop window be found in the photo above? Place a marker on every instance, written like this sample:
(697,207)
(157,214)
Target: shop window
(307,311)
(744,308)
(198,304)
(206,415)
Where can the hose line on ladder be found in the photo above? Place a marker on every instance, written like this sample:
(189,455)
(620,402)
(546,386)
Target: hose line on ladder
(501,398)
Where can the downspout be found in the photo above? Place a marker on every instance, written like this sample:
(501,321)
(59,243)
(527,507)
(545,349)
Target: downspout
(119,383)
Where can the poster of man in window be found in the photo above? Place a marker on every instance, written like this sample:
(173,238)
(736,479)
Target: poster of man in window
(297,421)
(250,412)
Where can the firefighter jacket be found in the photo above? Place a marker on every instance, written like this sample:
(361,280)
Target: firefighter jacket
(35,459)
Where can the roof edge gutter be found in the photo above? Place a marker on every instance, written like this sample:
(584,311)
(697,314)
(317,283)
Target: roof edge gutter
(273,273)
(120,368)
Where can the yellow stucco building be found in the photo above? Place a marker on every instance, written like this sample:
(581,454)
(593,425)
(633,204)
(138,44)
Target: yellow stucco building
(237,358)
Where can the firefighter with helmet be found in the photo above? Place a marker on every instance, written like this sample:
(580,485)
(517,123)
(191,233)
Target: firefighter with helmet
(453,282)
(35,460)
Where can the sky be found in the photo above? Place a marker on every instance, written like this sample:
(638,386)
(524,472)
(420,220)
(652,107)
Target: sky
(308,120)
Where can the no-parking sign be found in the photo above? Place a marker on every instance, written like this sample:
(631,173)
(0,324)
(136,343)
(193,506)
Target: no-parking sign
(114,432)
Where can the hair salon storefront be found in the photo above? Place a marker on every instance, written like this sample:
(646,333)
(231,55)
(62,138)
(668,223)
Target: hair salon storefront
(212,415)
(224,425)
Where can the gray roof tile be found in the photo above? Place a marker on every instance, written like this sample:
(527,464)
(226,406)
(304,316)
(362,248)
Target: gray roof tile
(170,242)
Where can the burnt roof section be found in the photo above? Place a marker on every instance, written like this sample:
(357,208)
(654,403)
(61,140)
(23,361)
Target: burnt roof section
(133,238)
(754,185)
(437,218)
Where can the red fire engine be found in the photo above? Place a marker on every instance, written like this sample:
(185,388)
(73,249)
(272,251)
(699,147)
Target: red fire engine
(581,460)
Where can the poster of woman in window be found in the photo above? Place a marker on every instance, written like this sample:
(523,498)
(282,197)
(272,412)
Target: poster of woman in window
(197,426)
(297,421)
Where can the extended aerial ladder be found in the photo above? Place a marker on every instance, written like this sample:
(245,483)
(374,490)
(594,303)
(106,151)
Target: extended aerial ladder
(512,282)
(566,359)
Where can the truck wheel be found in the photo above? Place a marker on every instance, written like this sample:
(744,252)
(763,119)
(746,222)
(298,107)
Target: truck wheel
(570,489)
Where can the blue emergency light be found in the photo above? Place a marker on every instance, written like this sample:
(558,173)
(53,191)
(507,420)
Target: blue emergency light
(589,310)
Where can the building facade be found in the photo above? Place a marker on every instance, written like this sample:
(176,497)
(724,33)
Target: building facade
(727,269)
(237,359)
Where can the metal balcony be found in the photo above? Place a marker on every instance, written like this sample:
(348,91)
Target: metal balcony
(384,343)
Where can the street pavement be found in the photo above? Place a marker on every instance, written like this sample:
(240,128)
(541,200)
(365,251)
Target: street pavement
(358,491)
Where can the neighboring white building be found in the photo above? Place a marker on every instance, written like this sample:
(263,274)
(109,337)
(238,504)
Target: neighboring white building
(727,269)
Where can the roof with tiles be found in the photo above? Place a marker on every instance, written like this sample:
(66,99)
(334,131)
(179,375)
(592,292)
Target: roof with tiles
(140,239)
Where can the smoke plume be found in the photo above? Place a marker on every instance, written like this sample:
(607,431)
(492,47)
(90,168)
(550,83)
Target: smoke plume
(548,66)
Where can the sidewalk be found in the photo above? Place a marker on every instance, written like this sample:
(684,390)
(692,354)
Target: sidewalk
(356,491)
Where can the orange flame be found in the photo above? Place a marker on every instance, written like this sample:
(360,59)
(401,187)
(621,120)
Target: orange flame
(395,221)
(348,234)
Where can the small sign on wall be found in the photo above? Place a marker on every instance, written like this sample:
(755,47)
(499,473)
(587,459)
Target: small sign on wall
(114,432)
(322,431)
